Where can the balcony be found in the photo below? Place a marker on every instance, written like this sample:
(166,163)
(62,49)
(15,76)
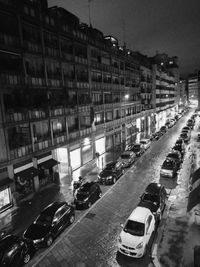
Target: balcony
(81,60)
(20,151)
(74,136)
(13,116)
(60,139)
(40,145)
(85,132)
(11,79)
(58,111)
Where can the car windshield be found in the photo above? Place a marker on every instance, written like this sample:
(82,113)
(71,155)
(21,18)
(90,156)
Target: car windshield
(110,166)
(167,165)
(184,135)
(150,198)
(134,228)
(125,156)
(143,142)
(173,155)
(44,219)
(136,148)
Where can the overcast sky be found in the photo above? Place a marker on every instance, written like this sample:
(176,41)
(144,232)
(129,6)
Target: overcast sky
(166,26)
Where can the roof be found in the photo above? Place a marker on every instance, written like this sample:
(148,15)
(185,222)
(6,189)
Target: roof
(53,207)
(153,188)
(149,205)
(195,176)
(194,198)
(139,214)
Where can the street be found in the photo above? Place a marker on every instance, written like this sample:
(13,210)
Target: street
(92,239)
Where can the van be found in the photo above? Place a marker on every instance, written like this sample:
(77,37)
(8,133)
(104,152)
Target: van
(136,233)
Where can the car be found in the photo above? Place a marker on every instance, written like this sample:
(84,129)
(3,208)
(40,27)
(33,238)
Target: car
(187,132)
(198,137)
(181,142)
(186,128)
(136,233)
(49,224)
(169,168)
(179,148)
(87,194)
(154,194)
(185,137)
(190,123)
(111,173)
(163,129)
(176,155)
(156,135)
(138,149)
(145,143)
(127,158)
(15,251)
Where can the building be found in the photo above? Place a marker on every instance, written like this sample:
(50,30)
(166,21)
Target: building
(183,95)
(193,88)
(67,94)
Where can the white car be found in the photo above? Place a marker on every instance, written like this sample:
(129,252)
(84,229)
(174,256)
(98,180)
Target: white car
(146,143)
(136,233)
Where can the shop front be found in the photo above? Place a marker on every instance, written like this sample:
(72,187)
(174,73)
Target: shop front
(109,142)
(48,169)
(100,145)
(87,150)
(75,158)
(5,192)
(26,178)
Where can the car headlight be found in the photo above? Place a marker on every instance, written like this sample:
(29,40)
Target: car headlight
(140,245)
(38,240)
(109,177)
(119,239)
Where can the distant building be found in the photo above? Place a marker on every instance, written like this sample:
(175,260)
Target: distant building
(183,101)
(194,88)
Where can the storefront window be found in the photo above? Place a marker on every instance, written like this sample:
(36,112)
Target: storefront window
(5,199)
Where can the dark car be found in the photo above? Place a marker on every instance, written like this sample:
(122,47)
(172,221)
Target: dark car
(163,129)
(185,137)
(191,123)
(169,168)
(48,225)
(182,144)
(138,149)
(154,198)
(87,194)
(111,173)
(156,135)
(176,155)
(179,147)
(15,251)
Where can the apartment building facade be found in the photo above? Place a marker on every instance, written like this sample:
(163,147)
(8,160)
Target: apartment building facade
(193,82)
(67,92)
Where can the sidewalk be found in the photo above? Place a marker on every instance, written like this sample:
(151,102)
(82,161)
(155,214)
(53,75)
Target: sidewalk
(16,219)
(179,232)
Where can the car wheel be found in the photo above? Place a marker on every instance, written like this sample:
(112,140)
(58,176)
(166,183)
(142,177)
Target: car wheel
(89,204)
(71,219)
(100,194)
(114,180)
(49,241)
(26,258)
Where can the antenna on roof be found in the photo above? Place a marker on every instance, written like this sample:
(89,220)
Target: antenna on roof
(89,1)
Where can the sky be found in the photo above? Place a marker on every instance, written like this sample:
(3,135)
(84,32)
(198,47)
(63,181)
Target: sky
(147,26)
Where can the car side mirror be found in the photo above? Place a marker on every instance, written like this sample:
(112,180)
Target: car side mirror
(122,225)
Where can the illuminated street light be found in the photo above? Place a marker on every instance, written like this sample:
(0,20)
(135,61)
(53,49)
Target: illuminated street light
(126,96)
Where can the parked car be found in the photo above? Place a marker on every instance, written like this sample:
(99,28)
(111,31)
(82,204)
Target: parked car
(182,144)
(176,155)
(179,148)
(145,143)
(136,233)
(198,137)
(138,149)
(191,123)
(127,158)
(15,251)
(185,137)
(169,168)
(48,225)
(187,132)
(111,173)
(156,135)
(87,194)
(163,129)
(155,194)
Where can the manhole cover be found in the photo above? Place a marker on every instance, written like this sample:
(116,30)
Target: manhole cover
(90,215)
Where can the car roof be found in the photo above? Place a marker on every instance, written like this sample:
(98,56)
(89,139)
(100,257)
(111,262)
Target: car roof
(86,186)
(139,214)
(111,164)
(153,188)
(145,139)
(52,208)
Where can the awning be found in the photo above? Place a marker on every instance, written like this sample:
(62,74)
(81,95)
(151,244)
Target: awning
(5,181)
(194,198)
(28,173)
(49,163)
(195,176)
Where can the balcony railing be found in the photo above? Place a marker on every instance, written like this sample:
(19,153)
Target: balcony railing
(42,144)
(21,151)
